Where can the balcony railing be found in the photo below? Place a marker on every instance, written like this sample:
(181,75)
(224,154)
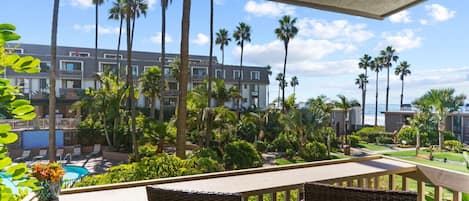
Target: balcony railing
(71,93)
(199,77)
(71,73)
(272,183)
(43,123)
(172,92)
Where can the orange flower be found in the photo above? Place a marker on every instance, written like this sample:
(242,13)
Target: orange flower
(48,172)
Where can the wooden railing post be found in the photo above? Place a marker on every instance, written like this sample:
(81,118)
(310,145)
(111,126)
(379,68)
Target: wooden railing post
(369,183)
(420,191)
(438,193)
(287,195)
(391,181)
(377,182)
(404,184)
(273,196)
(360,182)
(260,197)
(457,196)
(350,183)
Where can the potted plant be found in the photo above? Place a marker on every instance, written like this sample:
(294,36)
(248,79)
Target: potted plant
(49,176)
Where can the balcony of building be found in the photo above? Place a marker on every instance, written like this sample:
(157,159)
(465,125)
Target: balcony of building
(374,172)
(71,93)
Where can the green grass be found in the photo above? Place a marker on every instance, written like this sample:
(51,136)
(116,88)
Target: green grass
(373,147)
(284,161)
(459,168)
(439,155)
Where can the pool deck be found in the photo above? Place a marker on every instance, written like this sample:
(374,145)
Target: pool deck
(94,165)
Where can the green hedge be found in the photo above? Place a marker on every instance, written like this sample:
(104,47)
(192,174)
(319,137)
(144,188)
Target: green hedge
(374,135)
(408,134)
(240,155)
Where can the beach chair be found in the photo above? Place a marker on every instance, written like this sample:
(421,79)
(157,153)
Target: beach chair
(96,151)
(59,154)
(42,155)
(26,154)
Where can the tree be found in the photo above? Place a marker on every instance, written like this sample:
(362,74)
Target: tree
(132,10)
(269,73)
(365,63)
(345,105)
(183,80)
(52,98)
(388,55)
(294,82)
(150,86)
(285,32)
(97,3)
(376,66)
(402,71)
(164,8)
(208,129)
(220,94)
(281,85)
(223,39)
(443,102)
(362,81)
(234,94)
(241,35)
(117,13)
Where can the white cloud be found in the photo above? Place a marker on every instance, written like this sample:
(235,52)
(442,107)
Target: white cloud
(423,22)
(156,38)
(151,4)
(268,8)
(101,30)
(201,39)
(219,2)
(402,40)
(401,17)
(81,3)
(338,29)
(439,12)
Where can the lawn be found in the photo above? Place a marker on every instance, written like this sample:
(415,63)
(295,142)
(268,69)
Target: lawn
(373,147)
(439,155)
(285,161)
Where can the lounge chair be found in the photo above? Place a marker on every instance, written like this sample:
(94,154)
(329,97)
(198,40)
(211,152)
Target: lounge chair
(325,192)
(26,154)
(96,151)
(59,154)
(42,155)
(158,194)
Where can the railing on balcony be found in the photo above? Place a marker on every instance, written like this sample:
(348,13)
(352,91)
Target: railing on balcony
(254,93)
(172,92)
(42,123)
(71,73)
(199,77)
(71,93)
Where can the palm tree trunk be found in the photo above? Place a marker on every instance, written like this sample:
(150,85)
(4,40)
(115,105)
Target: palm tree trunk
(223,62)
(52,98)
(278,99)
(402,91)
(417,143)
(163,59)
(96,43)
(130,84)
(387,89)
(209,94)
(152,106)
(364,99)
(284,76)
(239,80)
(119,48)
(441,136)
(181,117)
(376,101)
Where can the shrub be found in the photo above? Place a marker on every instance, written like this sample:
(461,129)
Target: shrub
(146,150)
(290,153)
(453,145)
(354,140)
(374,135)
(407,134)
(261,146)
(207,153)
(315,151)
(282,143)
(240,155)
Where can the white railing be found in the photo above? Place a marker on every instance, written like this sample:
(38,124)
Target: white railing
(43,123)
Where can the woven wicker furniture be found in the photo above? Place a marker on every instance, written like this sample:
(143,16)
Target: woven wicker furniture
(325,192)
(159,194)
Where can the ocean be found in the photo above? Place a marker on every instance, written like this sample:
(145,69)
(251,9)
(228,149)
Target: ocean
(370,113)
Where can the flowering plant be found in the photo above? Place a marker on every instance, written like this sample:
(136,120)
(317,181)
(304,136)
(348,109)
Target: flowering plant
(51,172)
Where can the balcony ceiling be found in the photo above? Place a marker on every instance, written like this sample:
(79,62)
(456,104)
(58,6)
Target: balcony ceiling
(375,9)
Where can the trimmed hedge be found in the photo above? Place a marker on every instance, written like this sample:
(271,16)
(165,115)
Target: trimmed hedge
(374,135)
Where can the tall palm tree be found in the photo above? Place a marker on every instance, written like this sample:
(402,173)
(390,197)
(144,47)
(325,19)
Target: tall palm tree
(443,102)
(293,83)
(241,35)
(132,10)
(285,32)
(388,55)
(402,71)
(52,98)
(269,73)
(208,129)
(376,66)
(164,7)
(281,83)
(150,86)
(362,81)
(117,13)
(223,39)
(97,3)
(183,79)
(365,63)
(345,105)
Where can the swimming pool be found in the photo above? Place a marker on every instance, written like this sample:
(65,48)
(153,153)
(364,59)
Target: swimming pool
(72,174)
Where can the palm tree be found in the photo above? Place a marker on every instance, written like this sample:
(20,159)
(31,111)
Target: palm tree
(241,35)
(402,71)
(365,63)
(183,78)
(164,7)
(234,94)
(223,39)
(362,81)
(294,82)
(52,98)
(281,83)
(376,66)
(150,86)
(269,73)
(97,3)
(388,55)
(345,105)
(443,102)
(210,71)
(117,13)
(132,10)
(285,32)
(220,93)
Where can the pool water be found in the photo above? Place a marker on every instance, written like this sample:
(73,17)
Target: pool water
(72,174)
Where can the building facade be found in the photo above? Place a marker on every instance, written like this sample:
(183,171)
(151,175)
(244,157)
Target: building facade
(76,70)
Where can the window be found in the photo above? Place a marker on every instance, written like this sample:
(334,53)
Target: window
(245,100)
(255,75)
(236,74)
(45,66)
(194,61)
(167,71)
(79,54)
(219,74)
(254,88)
(134,70)
(15,50)
(172,85)
(112,56)
(199,71)
(43,84)
(170,101)
(71,66)
(112,67)
(72,84)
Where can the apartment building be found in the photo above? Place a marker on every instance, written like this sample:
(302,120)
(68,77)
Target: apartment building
(77,71)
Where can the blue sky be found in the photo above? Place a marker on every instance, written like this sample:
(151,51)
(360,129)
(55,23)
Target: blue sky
(431,36)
